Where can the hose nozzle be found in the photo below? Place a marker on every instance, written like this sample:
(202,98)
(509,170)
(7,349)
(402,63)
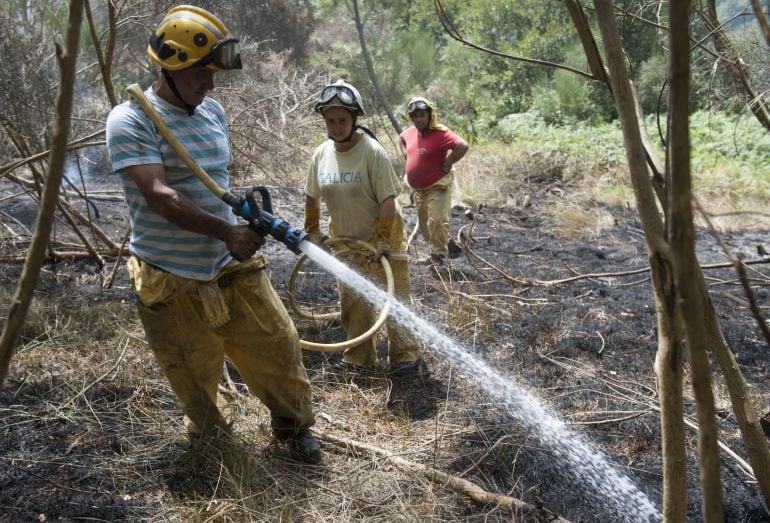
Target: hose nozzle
(262,219)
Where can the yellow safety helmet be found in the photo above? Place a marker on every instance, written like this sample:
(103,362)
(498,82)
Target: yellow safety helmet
(340,94)
(418,103)
(190,36)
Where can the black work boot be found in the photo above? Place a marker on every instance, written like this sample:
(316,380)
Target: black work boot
(304,447)
(404,369)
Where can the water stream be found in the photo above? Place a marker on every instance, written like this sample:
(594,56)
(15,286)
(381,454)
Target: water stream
(595,476)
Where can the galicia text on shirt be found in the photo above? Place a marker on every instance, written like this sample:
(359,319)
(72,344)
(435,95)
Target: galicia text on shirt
(346,177)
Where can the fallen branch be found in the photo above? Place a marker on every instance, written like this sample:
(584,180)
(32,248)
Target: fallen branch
(585,276)
(75,144)
(471,253)
(623,392)
(111,278)
(454,483)
(70,255)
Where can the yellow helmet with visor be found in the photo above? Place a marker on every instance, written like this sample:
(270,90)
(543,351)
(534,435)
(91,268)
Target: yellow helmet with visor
(189,36)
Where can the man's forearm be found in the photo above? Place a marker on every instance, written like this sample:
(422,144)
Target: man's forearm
(186,214)
(457,153)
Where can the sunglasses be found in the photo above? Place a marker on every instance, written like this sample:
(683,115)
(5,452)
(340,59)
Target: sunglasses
(417,105)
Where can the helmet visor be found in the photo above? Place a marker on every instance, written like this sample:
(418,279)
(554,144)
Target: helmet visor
(344,94)
(417,105)
(225,54)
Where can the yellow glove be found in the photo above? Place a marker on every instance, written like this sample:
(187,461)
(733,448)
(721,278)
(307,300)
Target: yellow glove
(382,228)
(312,220)
(312,226)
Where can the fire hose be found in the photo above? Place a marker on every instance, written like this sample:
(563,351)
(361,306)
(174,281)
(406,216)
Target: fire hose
(264,222)
(353,246)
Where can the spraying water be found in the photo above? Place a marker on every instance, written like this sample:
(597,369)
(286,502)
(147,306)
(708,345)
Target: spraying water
(600,479)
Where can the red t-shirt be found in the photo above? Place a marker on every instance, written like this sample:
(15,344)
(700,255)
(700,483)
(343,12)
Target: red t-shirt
(426,154)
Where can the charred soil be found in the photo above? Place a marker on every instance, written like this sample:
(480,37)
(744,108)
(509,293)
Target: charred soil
(90,430)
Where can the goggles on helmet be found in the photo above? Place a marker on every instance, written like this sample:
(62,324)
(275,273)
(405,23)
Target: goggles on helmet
(225,54)
(417,105)
(344,94)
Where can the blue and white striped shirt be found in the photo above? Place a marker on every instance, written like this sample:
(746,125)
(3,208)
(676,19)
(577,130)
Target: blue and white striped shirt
(132,139)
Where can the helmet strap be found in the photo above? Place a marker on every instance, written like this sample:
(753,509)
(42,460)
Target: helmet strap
(175,92)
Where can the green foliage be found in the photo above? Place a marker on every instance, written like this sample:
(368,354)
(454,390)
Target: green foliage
(413,53)
(563,100)
(566,97)
(579,147)
(651,83)
(732,152)
(528,28)
(418,63)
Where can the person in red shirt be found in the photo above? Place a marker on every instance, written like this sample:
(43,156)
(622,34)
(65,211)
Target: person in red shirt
(426,145)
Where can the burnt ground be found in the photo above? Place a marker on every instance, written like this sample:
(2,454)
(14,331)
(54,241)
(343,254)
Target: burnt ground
(585,347)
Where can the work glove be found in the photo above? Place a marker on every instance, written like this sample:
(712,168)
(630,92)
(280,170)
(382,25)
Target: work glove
(382,228)
(316,238)
(312,226)
(312,220)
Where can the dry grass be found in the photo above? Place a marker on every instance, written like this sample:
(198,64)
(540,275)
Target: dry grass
(502,177)
(122,426)
(578,218)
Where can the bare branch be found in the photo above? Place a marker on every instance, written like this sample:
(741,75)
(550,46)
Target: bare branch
(761,19)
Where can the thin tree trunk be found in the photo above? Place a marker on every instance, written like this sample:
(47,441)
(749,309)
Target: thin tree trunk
(20,304)
(701,308)
(668,359)
(668,369)
(761,20)
(370,69)
(685,262)
(743,402)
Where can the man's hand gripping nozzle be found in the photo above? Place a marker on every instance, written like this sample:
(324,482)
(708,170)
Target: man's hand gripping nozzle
(262,220)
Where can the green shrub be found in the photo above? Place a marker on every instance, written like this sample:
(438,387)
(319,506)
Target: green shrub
(730,153)
(564,100)
(582,147)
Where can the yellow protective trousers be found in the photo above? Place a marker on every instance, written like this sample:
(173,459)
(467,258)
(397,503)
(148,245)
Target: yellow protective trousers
(358,315)
(191,325)
(434,205)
